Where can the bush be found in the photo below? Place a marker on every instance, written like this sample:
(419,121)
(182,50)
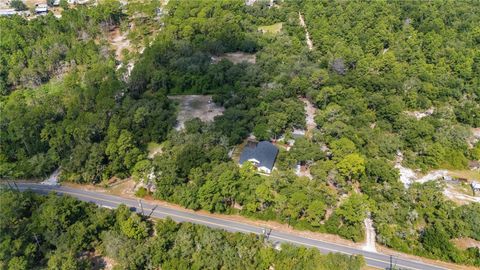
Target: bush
(18,5)
(141,192)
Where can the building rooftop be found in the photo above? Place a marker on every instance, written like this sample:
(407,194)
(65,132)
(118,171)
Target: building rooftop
(264,152)
(7,12)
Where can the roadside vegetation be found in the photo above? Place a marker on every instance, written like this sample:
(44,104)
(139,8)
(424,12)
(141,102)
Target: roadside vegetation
(371,65)
(60,232)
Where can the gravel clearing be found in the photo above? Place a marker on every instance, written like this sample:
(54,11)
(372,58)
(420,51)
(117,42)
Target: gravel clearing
(196,106)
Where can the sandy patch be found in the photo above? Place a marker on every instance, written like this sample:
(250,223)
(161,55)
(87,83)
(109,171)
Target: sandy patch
(310,116)
(307,35)
(474,138)
(119,42)
(459,197)
(5,4)
(154,149)
(464,243)
(420,114)
(196,106)
(236,58)
(409,176)
(370,235)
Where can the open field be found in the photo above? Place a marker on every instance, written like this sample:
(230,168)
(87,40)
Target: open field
(467,174)
(271,29)
(195,106)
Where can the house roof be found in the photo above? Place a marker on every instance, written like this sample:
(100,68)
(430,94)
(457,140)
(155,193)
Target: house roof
(7,12)
(265,152)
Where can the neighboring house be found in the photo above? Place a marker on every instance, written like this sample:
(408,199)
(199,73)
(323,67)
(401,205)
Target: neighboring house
(261,154)
(77,2)
(41,9)
(7,12)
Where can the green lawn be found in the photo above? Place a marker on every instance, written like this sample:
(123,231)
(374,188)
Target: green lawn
(272,29)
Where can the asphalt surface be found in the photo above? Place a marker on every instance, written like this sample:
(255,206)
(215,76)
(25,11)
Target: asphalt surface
(109,201)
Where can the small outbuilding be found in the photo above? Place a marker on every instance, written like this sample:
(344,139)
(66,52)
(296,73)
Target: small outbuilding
(475,187)
(262,154)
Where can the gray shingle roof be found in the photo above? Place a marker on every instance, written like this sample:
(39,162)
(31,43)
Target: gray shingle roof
(265,152)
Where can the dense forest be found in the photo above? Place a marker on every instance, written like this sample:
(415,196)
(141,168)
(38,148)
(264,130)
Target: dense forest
(57,232)
(65,104)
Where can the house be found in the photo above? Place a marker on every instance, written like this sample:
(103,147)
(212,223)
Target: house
(7,12)
(261,154)
(41,9)
(77,2)
(56,3)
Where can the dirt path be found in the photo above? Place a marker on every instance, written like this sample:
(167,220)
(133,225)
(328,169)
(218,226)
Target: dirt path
(370,243)
(307,35)
(119,42)
(310,116)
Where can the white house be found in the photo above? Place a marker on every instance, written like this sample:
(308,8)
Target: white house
(261,154)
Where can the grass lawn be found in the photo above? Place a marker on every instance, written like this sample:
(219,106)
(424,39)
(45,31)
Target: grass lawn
(468,174)
(272,29)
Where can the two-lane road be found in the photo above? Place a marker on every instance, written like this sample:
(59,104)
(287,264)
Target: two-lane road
(373,259)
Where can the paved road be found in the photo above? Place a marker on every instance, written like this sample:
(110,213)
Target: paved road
(373,259)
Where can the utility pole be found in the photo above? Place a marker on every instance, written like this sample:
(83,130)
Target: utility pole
(153,209)
(266,232)
(16,186)
(141,206)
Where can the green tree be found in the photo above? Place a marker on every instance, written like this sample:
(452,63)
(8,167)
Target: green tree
(352,165)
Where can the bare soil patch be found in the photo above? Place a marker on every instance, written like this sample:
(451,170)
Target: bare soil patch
(4,4)
(154,149)
(196,106)
(307,35)
(420,114)
(236,58)
(119,42)
(310,116)
(464,243)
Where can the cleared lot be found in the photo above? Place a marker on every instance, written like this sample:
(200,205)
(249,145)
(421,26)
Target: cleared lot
(236,58)
(195,106)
